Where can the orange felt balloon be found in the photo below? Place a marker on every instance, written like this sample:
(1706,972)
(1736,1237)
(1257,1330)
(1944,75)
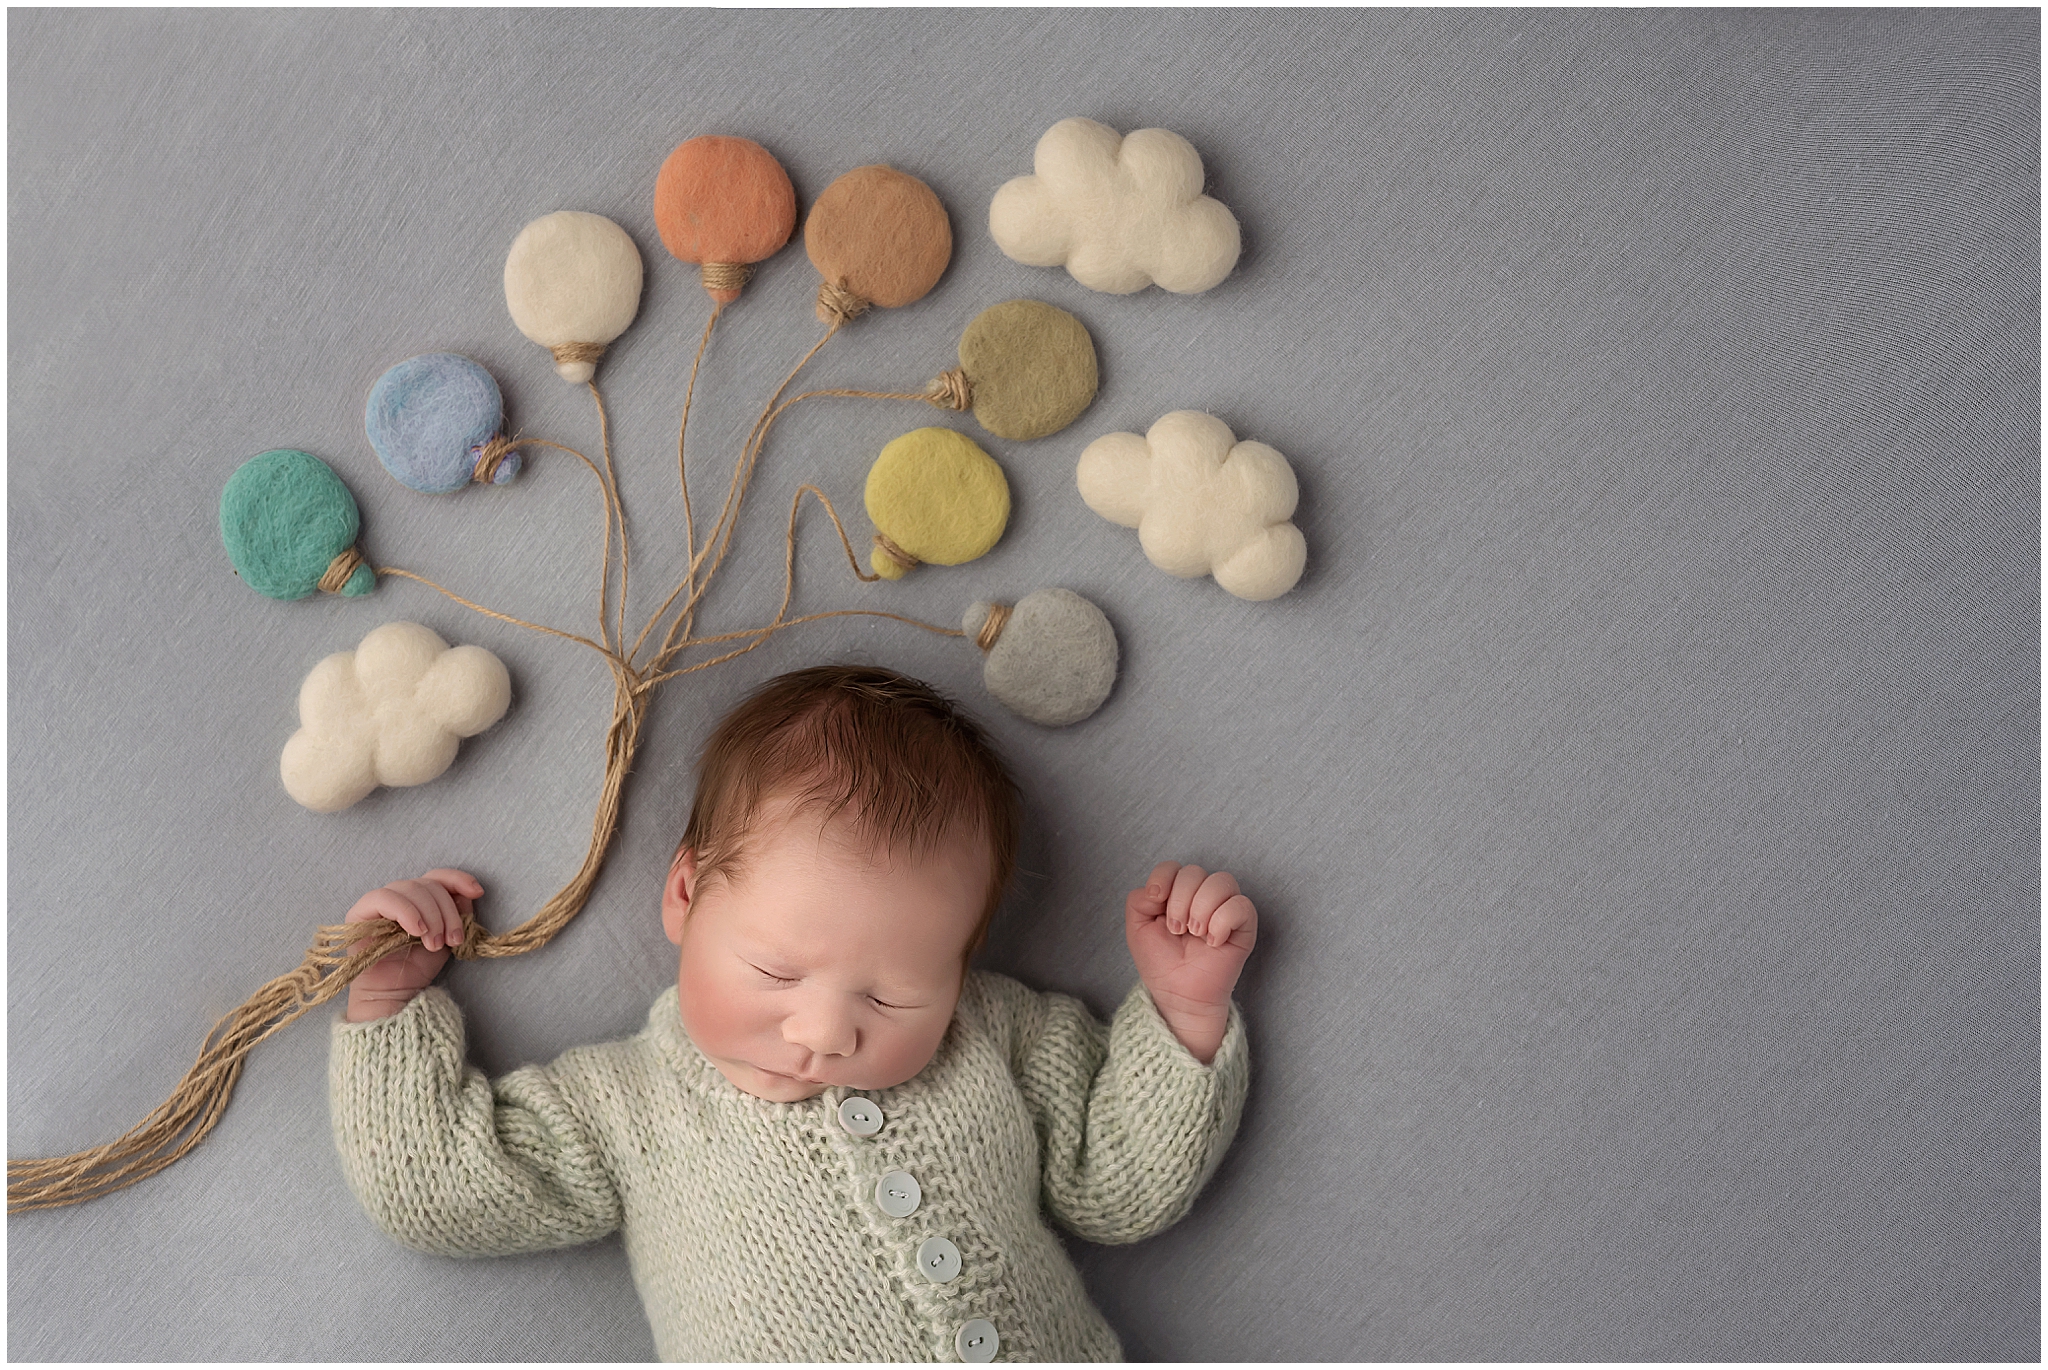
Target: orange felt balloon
(879,234)
(722,201)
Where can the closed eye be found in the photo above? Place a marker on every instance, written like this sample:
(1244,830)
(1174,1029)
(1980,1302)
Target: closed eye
(883,1003)
(771,975)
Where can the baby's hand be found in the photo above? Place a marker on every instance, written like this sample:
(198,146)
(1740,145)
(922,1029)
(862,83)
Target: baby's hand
(431,908)
(1190,932)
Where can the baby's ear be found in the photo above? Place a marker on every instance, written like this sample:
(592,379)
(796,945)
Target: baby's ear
(677,892)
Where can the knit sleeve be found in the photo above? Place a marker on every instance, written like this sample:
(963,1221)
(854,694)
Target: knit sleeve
(1130,1124)
(450,1162)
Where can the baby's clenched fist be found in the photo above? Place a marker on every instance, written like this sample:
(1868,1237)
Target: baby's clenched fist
(1190,931)
(432,908)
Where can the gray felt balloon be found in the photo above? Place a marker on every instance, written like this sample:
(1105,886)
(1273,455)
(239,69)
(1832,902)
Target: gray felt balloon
(1052,660)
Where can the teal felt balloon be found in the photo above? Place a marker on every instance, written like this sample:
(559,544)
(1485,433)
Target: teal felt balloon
(290,527)
(433,420)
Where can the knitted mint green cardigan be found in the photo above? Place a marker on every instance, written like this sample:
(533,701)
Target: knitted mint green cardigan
(753,1227)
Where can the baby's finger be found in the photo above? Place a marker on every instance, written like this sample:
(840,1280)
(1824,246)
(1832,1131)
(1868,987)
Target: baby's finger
(1237,921)
(1148,901)
(1185,883)
(1213,894)
(435,905)
(455,881)
(388,904)
(450,919)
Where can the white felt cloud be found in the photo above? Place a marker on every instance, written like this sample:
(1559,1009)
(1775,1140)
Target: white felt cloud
(389,713)
(1203,502)
(1119,213)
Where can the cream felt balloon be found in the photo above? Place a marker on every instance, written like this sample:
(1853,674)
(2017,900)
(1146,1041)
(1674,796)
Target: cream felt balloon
(572,284)
(391,712)
(1120,213)
(1203,502)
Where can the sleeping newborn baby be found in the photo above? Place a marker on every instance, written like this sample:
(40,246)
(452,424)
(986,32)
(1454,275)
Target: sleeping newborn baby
(832,1140)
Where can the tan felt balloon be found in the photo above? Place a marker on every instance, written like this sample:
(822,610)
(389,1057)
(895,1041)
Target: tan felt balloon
(1032,367)
(880,234)
(721,200)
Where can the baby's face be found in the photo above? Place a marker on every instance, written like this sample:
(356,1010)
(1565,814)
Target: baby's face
(824,963)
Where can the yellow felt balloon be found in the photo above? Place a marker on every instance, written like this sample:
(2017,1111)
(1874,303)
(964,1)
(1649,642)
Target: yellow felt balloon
(934,496)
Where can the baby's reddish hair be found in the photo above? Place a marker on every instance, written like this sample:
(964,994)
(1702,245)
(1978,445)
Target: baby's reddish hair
(891,755)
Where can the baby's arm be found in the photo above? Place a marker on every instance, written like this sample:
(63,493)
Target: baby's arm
(1129,1123)
(448,1161)
(442,1158)
(1190,931)
(432,908)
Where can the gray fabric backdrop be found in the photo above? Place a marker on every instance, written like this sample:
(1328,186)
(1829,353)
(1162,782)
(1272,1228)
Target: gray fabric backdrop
(1640,791)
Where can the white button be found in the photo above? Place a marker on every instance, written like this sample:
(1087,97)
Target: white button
(977,1341)
(938,1260)
(860,1116)
(897,1193)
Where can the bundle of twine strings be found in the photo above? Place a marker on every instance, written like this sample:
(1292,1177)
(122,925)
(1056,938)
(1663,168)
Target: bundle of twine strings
(341,952)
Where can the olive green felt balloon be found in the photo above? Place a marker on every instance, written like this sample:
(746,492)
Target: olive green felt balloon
(1032,368)
(287,521)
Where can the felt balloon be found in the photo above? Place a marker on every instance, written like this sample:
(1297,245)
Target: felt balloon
(572,284)
(435,422)
(1027,368)
(934,496)
(723,203)
(1050,658)
(391,712)
(878,236)
(290,527)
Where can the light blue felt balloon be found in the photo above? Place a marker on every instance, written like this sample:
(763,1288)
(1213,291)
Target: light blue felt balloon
(284,518)
(429,418)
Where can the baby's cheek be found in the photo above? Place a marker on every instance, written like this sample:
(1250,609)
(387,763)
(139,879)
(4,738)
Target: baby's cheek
(902,1052)
(714,1017)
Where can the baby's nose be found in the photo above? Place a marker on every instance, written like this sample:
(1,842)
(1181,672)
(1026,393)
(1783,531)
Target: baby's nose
(821,1029)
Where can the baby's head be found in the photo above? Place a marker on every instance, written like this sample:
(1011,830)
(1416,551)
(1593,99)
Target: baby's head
(851,838)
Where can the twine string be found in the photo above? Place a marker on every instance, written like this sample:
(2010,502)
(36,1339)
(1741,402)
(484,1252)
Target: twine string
(340,569)
(610,481)
(992,627)
(688,583)
(719,541)
(889,548)
(940,391)
(754,637)
(578,352)
(838,306)
(950,389)
(487,455)
(726,275)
